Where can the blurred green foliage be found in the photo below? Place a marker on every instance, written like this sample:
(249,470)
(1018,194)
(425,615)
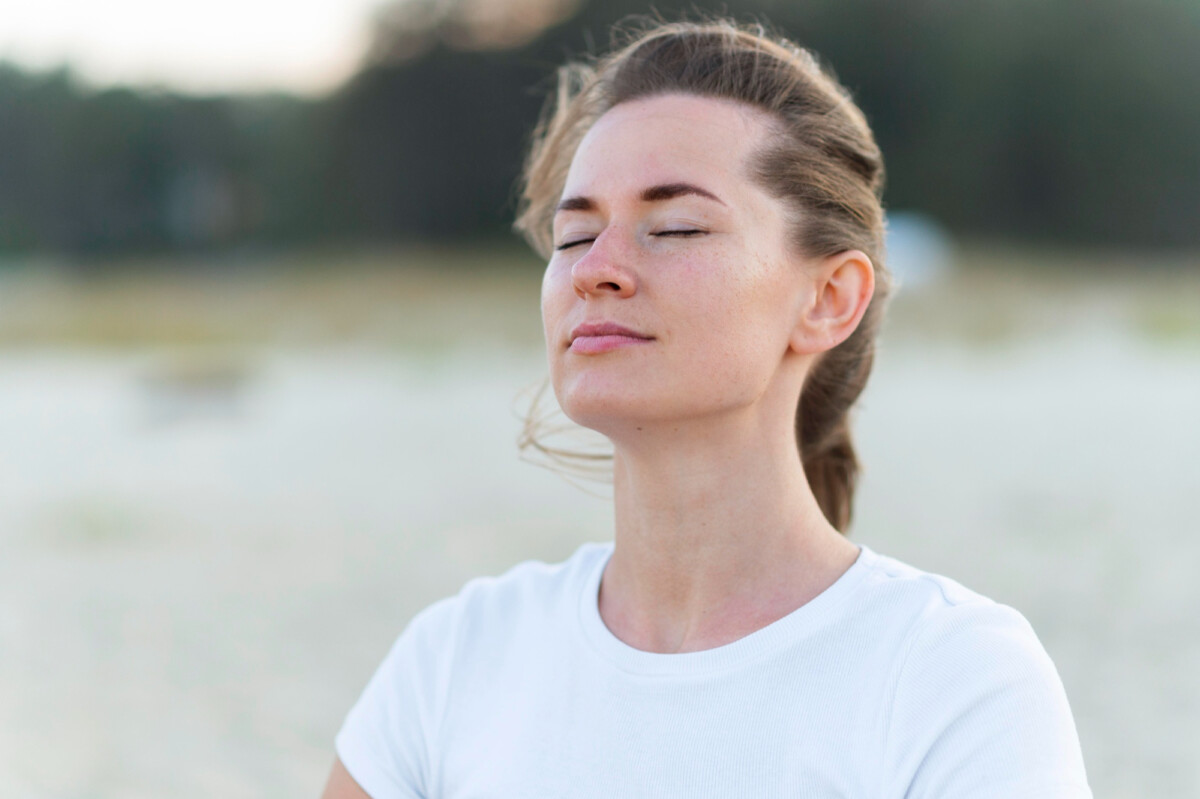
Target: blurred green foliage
(1066,121)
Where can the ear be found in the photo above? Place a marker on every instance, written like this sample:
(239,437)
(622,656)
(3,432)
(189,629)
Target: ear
(840,292)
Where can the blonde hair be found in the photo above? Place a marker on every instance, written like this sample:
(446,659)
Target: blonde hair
(823,162)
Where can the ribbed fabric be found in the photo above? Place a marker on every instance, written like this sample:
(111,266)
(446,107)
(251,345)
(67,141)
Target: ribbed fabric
(891,683)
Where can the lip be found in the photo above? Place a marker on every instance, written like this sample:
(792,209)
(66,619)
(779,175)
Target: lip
(596,337)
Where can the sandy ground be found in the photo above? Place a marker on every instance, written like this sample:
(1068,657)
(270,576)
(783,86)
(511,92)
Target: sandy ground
(211,538)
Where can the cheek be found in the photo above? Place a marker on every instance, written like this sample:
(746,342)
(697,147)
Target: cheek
(743,293)
(555,282)
(747,318)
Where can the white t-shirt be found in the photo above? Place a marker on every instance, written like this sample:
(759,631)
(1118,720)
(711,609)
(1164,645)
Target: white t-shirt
(891,683)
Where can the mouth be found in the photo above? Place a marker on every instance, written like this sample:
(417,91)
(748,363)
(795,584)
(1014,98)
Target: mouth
(597,337)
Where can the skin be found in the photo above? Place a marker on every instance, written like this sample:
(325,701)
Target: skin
(341,785)
(718,533)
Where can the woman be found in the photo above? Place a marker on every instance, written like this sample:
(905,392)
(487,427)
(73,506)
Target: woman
(708,201)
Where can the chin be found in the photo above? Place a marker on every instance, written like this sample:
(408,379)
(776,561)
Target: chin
(608,411)
(611,402)
(615,415)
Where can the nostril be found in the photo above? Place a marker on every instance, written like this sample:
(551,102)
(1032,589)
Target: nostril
(609,285)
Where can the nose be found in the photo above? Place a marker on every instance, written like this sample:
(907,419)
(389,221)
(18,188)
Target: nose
(603,270)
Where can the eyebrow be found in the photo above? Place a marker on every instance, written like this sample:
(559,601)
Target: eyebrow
(665,191)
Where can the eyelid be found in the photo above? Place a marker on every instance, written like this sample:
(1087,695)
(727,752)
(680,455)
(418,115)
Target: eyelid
(686,232)
(686,229)
(568,244)
(683,233)
(680,222)
(574,234)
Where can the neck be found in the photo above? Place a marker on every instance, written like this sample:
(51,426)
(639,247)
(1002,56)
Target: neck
(717,535)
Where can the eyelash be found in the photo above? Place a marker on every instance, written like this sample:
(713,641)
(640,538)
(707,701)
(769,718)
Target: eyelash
(684,233)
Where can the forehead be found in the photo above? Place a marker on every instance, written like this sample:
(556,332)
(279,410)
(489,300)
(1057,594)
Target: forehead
(668,138)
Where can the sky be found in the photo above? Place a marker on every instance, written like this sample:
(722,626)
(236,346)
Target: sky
(302,46)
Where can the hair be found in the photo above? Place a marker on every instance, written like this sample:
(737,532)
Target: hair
(822,162)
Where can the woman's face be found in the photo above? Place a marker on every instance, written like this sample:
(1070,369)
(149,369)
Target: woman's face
(672,291)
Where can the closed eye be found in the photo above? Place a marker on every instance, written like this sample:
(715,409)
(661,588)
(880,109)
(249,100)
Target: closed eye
(568,244)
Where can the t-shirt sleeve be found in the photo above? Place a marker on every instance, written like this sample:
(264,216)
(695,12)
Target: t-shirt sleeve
(387,738)
(979,712)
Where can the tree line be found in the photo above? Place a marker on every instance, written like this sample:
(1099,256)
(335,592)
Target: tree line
(1074,121)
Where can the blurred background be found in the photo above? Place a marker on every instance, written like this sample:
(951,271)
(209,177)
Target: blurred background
(265,341)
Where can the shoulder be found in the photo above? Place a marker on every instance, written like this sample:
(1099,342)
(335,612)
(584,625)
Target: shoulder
(948,634)
(524,596)
(944,621)
(389,735)
(913,616)
(975,703)
(534,579)
(921,591)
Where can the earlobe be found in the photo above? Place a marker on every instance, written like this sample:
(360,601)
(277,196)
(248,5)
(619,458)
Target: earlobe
(841,291)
